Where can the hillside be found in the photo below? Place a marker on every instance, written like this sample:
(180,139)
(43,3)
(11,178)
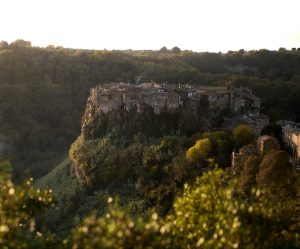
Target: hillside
(260,191)
(137,152)
(43,91)
(130,170)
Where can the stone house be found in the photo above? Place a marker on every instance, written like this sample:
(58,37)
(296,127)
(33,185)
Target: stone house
(291,136)
(116,95)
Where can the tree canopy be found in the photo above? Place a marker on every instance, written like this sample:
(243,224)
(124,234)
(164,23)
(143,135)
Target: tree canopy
(242,135)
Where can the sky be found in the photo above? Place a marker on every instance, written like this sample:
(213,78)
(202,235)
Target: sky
(198,25)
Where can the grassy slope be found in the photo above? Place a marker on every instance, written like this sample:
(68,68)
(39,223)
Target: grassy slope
(69,194)
(59,181)
(74,201)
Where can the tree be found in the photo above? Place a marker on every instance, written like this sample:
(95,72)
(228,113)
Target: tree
(281,49)
(3,45)
(21,43)
(247,179)
(273,130)
(163,50)
(19,206)
(281,186)
(116,229)
(201,150)
(275,169)
(294,101)
(208,215)
(176,50)
(242,135)
(193,154)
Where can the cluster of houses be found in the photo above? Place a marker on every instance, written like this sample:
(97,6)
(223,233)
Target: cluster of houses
(290,139)
(114,95)
(162,97)
(291,136)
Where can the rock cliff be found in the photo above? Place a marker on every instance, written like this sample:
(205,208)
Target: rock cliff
(149,108)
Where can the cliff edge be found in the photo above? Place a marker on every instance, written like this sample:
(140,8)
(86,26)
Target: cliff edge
(149,108)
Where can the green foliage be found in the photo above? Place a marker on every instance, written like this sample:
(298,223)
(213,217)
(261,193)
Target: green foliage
(293,100)
(201,150)
(221,146)
(206,216)
(18,208)
(242,135)
(101,162)
(152,170)
(42,97)
(117,230)
(164,170)
(193,154)
(248,174)
(275,169)
(71,196)
(216,145)
(273,173)
(37,131)
(209,215)
(5,169)
(204,147)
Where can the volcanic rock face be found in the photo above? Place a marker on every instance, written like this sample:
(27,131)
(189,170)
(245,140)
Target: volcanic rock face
(149,108)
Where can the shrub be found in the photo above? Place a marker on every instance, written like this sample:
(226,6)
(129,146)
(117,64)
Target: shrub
(18,207)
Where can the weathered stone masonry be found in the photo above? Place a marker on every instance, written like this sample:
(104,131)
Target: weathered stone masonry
(106,98)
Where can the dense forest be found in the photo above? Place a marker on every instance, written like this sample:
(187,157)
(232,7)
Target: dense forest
(158,193)
(43,91)
(137,184)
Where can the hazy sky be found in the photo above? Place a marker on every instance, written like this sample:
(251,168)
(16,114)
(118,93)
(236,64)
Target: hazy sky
(199,25)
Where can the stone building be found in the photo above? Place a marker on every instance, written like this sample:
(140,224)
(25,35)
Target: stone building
(116,96)
(139,108)
(291,136)
(168,97)
(244,99)
(218,97)
(266,143)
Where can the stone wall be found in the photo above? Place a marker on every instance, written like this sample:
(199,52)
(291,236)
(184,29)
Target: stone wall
(291,136)
(148,107)
(127,96)
(111,97)
(295,138)
(115,95)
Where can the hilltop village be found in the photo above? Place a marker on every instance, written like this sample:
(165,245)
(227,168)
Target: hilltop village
(159,96)
(173,97)
(162,98)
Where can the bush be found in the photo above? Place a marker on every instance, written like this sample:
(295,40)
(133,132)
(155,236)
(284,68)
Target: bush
(242,135)
(209,215)
(116,230)
(200,151)
(19,206)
